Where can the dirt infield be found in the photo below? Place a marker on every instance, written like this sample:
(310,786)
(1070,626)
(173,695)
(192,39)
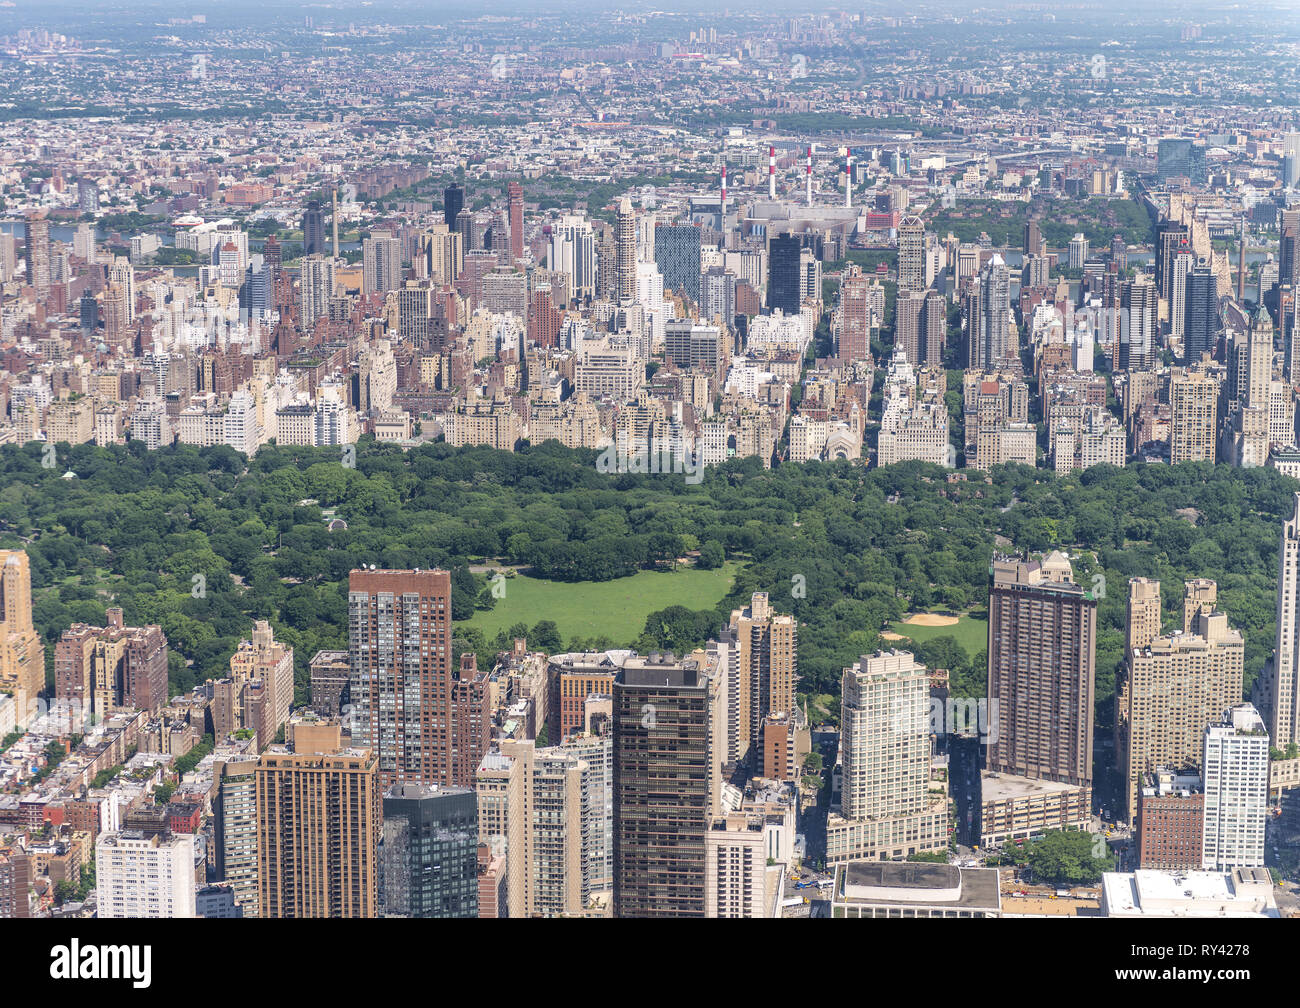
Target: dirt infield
(930,619)
(886,635)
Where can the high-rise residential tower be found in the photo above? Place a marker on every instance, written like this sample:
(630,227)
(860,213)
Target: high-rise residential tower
(1042,660)
(319,826)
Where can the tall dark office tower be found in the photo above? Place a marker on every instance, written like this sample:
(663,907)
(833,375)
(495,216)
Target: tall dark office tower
(399,647)
(453,202)
(273,256)
(428,857)
(515,209)
(1033,237)
(1288,256)
(89,314)
(662,788)
(1201,314)
(677,254)
(783,274)
(313,230)
(1288,308)
(1042,660)
(37,253)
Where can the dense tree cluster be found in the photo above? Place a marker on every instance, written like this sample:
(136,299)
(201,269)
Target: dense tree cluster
(202,542)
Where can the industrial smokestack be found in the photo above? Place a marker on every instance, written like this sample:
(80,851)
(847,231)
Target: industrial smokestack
(724,192)
(808,175)
(848,180)
(771,172)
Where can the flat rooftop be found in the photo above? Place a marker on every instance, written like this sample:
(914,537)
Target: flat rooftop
(1004,787)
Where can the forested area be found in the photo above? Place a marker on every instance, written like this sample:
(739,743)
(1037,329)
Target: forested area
(202,542)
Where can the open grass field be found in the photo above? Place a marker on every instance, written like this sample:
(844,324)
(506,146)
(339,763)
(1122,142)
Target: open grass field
(971,632)
(614,609)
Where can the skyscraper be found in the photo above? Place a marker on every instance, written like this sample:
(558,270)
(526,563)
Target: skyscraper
(856,318)
(1236,791)
(315,288)
(313,230)
(625,251)
(516,211)
(1281,689)
(1042,660)
(22,655)
(1201,313)
(1193,415)
(766,657)
(37,253)
(399,647)
(911,256)
(428,859)
(319,826)
(783,274)
(886,810)
(991,339)
(677,254)
(1138,324)
(381,270)
(665,779)
(453,202)
(234,817)
(1175,686)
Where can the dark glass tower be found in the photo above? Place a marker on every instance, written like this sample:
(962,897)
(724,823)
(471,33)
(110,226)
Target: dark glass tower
(783,274)
(453,202)
(1201,313)
(428,858)
(313,229)
(662,781)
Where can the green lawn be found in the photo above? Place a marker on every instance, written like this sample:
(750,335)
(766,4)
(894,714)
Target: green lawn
(614,609)
(971,632)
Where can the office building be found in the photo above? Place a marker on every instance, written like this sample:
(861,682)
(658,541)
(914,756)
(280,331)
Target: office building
(453,202)
(313,230)
(677,254)
(428,857)
(783,286)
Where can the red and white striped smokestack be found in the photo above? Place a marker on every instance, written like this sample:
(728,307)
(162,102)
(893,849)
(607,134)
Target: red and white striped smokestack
(771,172)
(808,175)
